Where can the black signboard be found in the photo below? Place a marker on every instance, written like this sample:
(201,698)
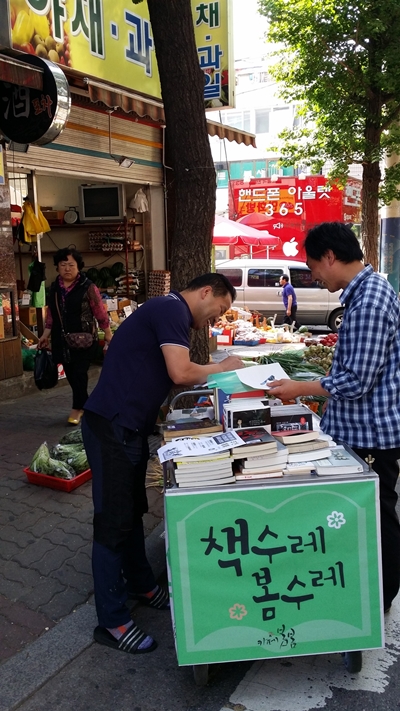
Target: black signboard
(33,116)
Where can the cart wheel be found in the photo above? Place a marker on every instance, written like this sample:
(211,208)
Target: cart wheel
(200,673)
(353,662)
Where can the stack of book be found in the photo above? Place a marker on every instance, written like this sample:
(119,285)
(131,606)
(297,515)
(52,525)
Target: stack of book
(303,449)
(189,428)
(262,457)
(247,412)
(207,470)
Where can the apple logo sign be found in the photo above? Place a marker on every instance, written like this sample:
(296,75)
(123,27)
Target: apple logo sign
(290,248)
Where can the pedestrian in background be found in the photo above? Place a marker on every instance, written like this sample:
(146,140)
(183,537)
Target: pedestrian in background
(75,304)
(289,301)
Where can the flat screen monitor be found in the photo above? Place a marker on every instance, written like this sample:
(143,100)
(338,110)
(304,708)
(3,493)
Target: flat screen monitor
(98,203)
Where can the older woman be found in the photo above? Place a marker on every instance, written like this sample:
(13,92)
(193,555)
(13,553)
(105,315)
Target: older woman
(75,305)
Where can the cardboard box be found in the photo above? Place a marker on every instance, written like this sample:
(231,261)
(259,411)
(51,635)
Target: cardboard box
(212,344)
(122,303)
(27,314)
(28,333)
(112,304)
(1,327)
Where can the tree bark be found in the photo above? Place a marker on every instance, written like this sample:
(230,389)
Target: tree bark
(192,174)
(370,213)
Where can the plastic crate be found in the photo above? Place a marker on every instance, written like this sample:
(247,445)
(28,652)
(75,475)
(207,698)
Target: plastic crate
(246,343)
(54,483)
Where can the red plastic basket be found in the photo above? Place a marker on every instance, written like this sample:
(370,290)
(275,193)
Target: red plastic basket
(54,483)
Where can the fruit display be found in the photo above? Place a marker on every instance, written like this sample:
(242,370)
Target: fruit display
(33,34)
(320,355)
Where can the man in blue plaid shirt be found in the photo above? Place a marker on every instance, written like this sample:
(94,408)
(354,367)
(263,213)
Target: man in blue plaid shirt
(363,385)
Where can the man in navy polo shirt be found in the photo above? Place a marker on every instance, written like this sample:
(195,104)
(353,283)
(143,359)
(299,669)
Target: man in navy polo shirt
(147,356)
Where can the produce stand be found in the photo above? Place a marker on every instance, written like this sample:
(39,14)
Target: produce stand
(274,568)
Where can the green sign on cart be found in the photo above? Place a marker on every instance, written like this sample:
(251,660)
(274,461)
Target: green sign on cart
(284,570)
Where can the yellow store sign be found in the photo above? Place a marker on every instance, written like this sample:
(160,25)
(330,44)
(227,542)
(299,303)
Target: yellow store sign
(112,40)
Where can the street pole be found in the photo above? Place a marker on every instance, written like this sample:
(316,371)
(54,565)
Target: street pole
(389,257)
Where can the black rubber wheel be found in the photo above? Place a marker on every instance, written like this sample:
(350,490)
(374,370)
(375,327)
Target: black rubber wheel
(353,662)
(335,320)
(200,673)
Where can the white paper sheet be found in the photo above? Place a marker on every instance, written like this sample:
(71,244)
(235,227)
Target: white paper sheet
(259,376)
(198,446)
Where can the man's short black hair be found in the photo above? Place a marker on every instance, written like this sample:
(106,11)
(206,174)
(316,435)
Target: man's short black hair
(219,283)
(336,236)
(285,277)
(63,254)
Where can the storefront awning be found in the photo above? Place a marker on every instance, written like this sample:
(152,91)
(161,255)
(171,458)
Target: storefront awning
(15,72)
(125,100)
(148,108)
(232,134)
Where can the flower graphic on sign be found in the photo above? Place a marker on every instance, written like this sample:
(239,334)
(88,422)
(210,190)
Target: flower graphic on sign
(237,612)
(336,519)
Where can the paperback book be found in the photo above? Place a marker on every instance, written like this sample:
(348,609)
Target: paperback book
(307,446)
(297,438)
(209,482)
(243,476)
(317,454)
(171,430)
(339,461)
(291,418)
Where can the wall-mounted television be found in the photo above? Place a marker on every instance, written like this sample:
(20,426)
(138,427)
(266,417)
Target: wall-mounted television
(101,203)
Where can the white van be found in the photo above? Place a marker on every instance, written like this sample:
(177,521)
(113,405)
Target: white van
(257,284)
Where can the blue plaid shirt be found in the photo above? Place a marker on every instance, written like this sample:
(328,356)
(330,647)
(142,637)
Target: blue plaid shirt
(364,381)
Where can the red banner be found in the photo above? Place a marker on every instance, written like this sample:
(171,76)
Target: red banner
(289,207)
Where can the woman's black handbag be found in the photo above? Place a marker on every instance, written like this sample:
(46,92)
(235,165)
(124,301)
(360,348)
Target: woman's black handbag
(45,370)
(76,340)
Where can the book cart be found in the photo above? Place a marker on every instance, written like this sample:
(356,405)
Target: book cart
(274,568)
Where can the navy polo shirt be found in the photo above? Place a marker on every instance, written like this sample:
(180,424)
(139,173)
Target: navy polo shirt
(286,292)
(134,381)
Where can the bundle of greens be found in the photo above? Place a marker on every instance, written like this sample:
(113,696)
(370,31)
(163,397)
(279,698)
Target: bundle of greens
(65,461)
(43,463)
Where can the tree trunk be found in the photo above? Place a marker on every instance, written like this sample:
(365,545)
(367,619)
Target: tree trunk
(370,213)
(192,175)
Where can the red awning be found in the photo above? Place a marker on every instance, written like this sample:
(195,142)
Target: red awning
(19,72)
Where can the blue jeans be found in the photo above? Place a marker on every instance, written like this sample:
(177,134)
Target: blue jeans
(118,459)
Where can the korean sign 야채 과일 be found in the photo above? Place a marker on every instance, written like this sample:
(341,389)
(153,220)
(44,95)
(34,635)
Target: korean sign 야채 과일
(113,41)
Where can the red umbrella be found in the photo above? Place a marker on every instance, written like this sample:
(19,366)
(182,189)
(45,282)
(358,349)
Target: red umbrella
(230,232)
(257,220)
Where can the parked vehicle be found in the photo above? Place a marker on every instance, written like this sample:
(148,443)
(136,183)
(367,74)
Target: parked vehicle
(257,284)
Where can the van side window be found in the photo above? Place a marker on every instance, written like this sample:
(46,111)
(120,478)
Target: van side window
(235,276)
(264,277)
(301,278)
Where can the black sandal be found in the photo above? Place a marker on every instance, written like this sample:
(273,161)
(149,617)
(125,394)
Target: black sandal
(159,601)
(129,642)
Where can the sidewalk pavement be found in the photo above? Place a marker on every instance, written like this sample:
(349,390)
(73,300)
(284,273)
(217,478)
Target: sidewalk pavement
(45,553)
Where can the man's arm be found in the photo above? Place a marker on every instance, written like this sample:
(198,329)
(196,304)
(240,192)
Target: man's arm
(287,389)
(183,371)
(289,305)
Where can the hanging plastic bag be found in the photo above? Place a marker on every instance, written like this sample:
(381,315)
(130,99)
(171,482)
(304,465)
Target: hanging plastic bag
(139,202)
(37,272)
(46,371)
(33,225)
